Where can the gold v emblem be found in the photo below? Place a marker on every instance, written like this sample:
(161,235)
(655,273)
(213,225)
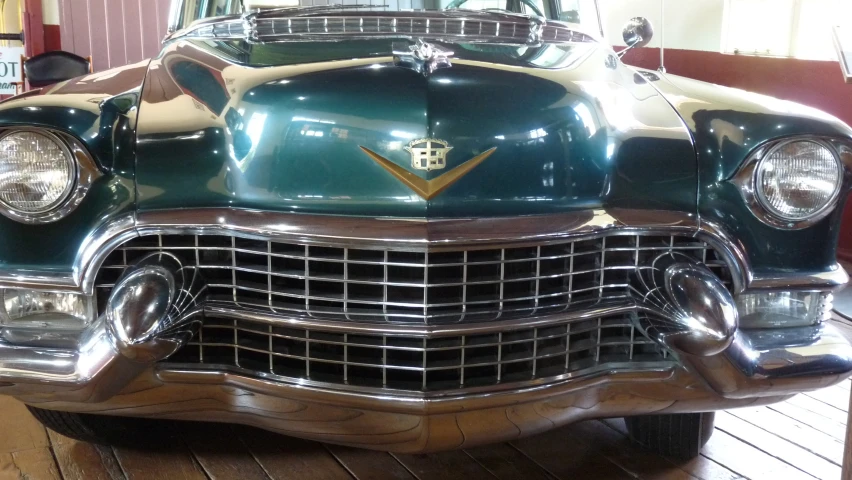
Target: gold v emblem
(428,189)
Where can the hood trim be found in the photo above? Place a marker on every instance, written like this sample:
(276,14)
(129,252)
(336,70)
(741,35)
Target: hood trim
(428,189)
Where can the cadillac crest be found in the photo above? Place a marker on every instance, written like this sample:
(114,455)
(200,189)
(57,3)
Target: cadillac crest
(413,227)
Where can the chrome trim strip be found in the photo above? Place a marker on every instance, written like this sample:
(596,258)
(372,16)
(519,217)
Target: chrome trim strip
(433,235)
(732,250)
(412,234)
(36,280)
(661,367)
(98,245)
(833,281)
(421,331)
(423,405)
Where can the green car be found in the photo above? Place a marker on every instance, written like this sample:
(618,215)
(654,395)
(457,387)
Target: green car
(413,227)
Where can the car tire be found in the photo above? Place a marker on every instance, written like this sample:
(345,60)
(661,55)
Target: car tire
(680,436)
(98,429)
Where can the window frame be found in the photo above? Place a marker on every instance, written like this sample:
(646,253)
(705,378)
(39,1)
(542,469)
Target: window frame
(727,34)
(792,50)
(177,15)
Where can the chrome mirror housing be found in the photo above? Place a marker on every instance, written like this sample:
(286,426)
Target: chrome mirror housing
(637,33)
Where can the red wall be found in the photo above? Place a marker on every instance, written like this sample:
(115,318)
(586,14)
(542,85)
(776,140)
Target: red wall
(52,38)
(113,32)
(814,83)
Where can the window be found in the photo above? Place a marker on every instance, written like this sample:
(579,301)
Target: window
(759,27)
(813,32)
(192,10)
(783,28)
(584,12)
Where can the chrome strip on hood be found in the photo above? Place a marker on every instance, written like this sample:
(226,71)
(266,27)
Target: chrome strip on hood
(332,24)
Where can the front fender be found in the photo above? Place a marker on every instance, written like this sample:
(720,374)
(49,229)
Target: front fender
(727,125)
(99,111)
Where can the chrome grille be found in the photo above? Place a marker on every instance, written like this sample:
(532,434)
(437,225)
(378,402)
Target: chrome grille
(415,287)
(421,364)
(410,287)
(473,29)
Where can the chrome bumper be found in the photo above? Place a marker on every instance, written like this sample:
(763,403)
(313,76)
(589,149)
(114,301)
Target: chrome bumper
(114,370)
(97,378)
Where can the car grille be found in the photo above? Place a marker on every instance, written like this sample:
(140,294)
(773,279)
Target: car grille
(410,287)
(519,31)
(421,364)
(352,311)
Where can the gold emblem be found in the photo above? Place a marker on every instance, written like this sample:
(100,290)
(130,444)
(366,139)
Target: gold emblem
(428,154)
(429,189)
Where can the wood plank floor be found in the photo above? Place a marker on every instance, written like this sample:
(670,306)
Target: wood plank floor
(799,439)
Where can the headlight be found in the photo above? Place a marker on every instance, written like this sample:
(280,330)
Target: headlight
(783,309)
(37,172)
(798,181)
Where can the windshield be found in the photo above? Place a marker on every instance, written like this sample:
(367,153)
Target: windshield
(583,12)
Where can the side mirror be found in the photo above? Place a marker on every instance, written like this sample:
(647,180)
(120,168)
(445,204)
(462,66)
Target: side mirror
(638,32)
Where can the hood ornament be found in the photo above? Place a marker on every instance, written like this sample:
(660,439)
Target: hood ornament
(422,57)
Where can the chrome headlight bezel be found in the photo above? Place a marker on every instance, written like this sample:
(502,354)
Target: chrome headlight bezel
(84,172)
(748,177)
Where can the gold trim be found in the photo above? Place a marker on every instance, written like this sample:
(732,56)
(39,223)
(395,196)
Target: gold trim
(428,189)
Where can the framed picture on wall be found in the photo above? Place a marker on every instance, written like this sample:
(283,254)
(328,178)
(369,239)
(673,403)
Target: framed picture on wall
(843,43)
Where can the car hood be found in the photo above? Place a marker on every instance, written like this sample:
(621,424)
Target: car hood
(336,127)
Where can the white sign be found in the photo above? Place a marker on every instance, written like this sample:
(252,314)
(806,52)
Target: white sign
(10,69)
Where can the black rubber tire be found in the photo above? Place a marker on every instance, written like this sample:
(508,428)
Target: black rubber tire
(99,429)
(680,436)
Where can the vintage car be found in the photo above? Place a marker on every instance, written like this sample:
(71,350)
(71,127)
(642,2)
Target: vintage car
(413,228)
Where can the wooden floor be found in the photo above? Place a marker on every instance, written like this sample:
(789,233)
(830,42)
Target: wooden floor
(799,439)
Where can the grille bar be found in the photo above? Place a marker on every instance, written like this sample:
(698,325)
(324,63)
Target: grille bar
(413,287)
(132,247)
(420,363)
(348,281)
